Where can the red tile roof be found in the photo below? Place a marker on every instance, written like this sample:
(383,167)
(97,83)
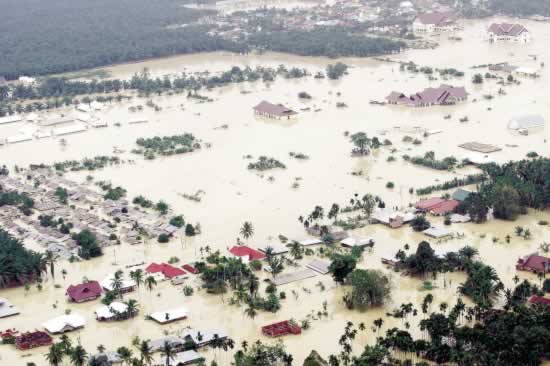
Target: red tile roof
(189,268)
(539,300)
(244,251)
(84,291)
(534,262)
(444,207)
(429,203)
(166,269)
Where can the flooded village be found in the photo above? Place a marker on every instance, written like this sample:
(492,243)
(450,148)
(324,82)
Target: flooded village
(213,207)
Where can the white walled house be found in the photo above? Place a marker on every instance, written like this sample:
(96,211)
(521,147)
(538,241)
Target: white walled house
(508,32)
(434,22)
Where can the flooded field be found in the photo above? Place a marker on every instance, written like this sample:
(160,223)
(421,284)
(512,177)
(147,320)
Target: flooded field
(233,194)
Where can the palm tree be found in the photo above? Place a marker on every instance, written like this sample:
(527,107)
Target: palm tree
(50,259)
(146,353)
(101,348)
(65,344)
(250,311)
(55,354)
(150,283)
(132,308)
(117,283)
(247,231)
(125,354)
(78,355)
(168,351)
(296,250)
(253,284)
(137,276)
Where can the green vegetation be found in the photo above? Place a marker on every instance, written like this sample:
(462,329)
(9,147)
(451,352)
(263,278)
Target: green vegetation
(264,163)
(429,161)
(454,183)
(18,265)
(341,266)
(368,288)
(420,223)
(363,144)
(512,188)
(177,221)
(324,42)
(336,71)
(69,36)
(20,200)
(143,202)
(262,354)
(97,162)
(166,145)
(88,245)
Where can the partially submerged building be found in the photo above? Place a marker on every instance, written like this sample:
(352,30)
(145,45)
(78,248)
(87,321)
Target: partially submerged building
(270,110)
(168,316)
(246,253)
(443,95)
(64,323)
(7,309)
(86,291)
(533,263)
(508,32)
(434,22)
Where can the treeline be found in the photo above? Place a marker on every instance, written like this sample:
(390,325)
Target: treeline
(520,7)
(59,36)
(18,265)
(454,183)
(324,42)
(59,91)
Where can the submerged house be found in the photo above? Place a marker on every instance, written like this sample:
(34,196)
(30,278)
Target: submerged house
(84,292)
(444,95)
(168,316)
(168,271)
(34,339)
(64,323)
(508,32)
(247,254)
(437,206)
(533,263)
(434,22)
(270,110)
(7,309)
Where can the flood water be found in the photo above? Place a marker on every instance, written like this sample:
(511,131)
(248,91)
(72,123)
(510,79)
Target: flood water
(234,194)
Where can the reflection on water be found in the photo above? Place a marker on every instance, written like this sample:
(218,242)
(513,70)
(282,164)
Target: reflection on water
(234,195)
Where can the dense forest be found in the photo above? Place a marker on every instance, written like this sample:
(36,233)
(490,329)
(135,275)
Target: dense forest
(17,264)
(324,42)
(44,37)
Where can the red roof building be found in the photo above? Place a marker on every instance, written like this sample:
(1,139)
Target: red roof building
(242,251)
(167,270)
(541,300)
(444,207)
(281,328)
(534,263)
(428,204)
(32,339)
(84,292)
(189,268)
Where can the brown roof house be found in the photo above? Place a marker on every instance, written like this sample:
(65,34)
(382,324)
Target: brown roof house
(508,32)
(270,110)
(434,22)
(444,95)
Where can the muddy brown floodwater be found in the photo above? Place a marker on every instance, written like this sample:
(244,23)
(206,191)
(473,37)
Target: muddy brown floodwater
(234,195)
